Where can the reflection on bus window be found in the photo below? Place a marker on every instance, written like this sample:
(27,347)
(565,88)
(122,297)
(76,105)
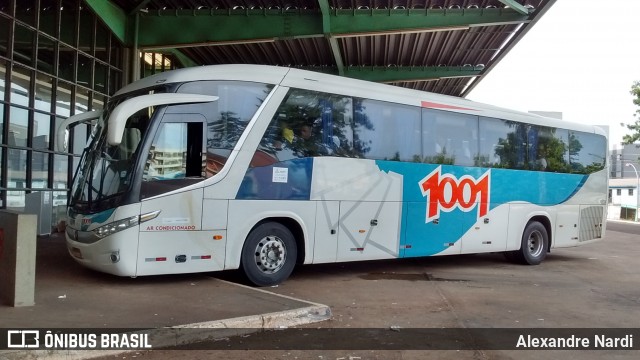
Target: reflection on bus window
(309,124)
(390,131)
(586,152)
(226,119)
(449,138)
(168,153)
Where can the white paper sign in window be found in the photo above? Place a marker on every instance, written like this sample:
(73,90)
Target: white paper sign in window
(280,175)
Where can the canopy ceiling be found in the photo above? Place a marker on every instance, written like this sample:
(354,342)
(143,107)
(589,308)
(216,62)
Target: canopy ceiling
(442,46)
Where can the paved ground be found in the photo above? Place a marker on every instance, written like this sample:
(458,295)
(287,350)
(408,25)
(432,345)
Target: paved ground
(70,296)
(591,286)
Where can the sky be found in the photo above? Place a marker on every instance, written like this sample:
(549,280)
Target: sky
(580,58)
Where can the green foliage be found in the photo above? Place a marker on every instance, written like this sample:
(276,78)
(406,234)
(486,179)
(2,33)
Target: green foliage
(440,158)
(554,152)
(226,130)
(635,127)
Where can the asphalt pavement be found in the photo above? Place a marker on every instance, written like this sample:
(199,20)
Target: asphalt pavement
(69,296)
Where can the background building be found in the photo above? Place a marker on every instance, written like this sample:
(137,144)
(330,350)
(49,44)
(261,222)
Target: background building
(624,182)
(57,59)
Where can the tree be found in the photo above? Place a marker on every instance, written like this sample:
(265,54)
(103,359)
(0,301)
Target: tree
(635,127)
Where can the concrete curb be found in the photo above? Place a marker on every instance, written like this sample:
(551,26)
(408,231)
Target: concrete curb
(196,332)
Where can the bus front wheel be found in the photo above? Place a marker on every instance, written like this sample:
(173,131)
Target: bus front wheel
(269,254)
(534,246)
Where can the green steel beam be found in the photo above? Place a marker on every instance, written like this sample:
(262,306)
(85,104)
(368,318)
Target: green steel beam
(179,28)
(326,29)
(403,73)
(337,54)
(113,16)
(192,28)
(369,22)
(515,6)
(326,12)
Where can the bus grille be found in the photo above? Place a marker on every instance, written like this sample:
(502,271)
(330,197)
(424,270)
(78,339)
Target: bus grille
(591,222)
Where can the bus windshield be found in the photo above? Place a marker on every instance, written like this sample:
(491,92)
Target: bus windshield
(163,139)
(105,171)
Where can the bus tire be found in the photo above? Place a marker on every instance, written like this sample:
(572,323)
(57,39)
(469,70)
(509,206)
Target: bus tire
(269,254)
(535,244)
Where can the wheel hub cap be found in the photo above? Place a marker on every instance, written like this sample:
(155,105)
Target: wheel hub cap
(270,254)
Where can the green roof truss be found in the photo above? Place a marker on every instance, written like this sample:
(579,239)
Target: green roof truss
(515,6)
(114,17)
(159,28)
(333,42)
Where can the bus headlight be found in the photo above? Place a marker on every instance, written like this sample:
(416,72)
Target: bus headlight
(116,226)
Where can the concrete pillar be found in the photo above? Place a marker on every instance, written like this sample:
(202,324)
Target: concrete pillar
(17,258)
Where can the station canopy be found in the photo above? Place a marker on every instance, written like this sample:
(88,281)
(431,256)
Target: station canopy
(442,46)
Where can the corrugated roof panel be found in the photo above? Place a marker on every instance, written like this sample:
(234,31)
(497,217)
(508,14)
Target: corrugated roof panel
(477,45)
(294,52)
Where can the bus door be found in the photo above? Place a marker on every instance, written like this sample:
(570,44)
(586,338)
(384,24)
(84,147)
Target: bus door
(172,240)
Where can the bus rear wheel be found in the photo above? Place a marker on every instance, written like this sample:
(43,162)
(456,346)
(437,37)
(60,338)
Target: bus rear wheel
(269,254)
(534,246)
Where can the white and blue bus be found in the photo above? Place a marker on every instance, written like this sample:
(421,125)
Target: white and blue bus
(261,168)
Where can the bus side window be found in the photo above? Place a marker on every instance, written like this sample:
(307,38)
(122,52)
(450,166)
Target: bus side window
(308,124)
(176,152)
(450,138)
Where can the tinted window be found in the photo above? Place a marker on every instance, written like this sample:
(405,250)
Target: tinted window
(166,156)
(309,124)
(175,156)
(503,144)
(449,138)
(548,149)
(587,152)
(226,118)
(387,131)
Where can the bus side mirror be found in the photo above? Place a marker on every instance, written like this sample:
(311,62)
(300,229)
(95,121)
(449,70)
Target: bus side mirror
(62,131)
(119,116)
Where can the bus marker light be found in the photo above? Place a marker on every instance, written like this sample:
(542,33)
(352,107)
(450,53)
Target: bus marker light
(217,237)
(357,249)
(201,257)
(362,231)
(149,216)
(155,259)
